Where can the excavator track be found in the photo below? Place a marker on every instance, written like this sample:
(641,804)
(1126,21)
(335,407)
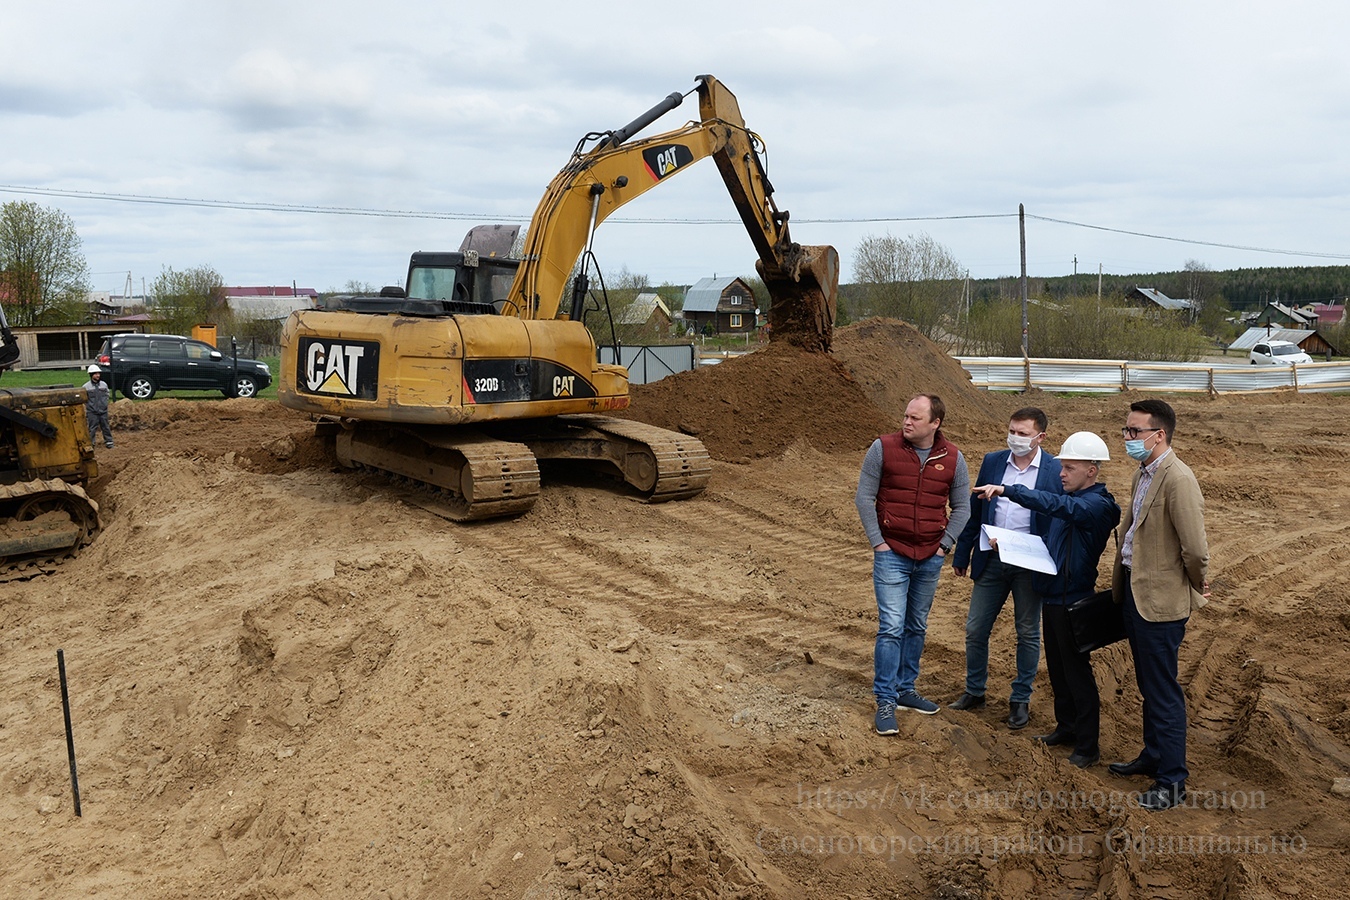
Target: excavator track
(663,465)
(42,523)
(465,475)
(468,474)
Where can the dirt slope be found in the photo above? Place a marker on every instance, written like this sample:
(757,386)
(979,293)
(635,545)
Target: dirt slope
(288,682)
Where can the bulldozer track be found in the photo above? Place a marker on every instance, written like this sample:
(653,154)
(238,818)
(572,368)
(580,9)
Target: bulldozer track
(41,524)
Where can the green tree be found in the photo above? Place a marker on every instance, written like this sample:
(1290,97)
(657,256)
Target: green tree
(194,296)
(44,279)
(914,278)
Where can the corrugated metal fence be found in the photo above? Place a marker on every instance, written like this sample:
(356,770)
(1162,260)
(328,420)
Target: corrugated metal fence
(1012,373)
(649,363)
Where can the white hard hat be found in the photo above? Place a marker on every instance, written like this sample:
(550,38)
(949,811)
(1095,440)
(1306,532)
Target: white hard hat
(94,370)
(1084,445)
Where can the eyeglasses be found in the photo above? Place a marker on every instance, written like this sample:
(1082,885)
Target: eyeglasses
(1133,433)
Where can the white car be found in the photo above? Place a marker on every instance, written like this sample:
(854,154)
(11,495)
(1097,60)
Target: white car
(1278,353)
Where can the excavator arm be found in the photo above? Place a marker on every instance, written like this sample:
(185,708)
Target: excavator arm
(802,281)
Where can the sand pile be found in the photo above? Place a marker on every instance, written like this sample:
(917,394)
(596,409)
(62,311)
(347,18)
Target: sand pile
(757,405)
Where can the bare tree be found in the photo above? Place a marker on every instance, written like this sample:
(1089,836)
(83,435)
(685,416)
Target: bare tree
(914,278)
(44,279)
(1199,285)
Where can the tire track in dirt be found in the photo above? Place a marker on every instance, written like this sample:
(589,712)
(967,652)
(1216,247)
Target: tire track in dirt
(1310,559)
(597,570)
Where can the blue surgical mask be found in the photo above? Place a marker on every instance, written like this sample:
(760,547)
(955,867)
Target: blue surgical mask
(1136,450)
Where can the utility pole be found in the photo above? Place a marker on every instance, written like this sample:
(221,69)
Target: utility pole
(1099,285)
(1075,274)
(1022,231)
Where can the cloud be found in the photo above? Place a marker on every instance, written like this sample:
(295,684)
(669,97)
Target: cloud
(267,90)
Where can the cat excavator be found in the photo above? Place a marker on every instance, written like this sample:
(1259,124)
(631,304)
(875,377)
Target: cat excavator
(479,366)
(46,461)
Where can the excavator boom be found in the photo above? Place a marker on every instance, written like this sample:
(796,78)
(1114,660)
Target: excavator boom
(802,281)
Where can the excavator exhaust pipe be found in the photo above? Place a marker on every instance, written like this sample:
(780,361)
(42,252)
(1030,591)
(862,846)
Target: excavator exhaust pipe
(803,297)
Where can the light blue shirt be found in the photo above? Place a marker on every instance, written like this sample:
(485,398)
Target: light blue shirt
(1008,514)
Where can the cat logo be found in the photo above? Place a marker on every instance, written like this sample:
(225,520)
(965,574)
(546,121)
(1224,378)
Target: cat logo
(563,385)
(342,368)
(665,159)
(665,162)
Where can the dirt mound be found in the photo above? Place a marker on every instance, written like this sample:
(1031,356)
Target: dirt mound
(759,404)
(892,362)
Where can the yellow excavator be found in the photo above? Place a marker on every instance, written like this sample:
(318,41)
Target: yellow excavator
(46,461)
(464,378)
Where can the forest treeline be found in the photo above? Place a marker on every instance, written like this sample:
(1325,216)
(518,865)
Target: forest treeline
(1240,289)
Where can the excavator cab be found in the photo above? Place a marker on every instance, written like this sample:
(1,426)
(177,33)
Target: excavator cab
(464,282)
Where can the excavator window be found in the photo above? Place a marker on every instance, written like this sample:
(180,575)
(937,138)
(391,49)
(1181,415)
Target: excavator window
(433,284)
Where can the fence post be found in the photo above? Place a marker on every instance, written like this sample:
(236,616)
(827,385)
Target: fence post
(1212,391)
(1026,364)
(1294,369)
(1125,376)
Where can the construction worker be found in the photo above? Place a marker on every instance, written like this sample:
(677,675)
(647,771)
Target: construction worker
(96,406)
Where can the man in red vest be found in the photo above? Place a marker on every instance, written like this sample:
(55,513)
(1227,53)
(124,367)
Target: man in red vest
(910,480)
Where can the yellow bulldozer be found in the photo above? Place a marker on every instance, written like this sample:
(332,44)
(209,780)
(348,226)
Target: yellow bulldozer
(475,369)
(46,461)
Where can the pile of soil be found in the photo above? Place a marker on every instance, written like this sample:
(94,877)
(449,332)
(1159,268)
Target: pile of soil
(757,405)
(892,362)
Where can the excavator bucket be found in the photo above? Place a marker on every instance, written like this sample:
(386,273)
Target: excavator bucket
(803,297)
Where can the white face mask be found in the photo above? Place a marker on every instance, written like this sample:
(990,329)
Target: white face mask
(1020,446)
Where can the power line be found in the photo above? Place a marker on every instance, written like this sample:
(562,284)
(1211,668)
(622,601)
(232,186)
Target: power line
(310,209)
(1163,237)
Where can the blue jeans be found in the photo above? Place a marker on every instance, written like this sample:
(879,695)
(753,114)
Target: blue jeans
(991,591)
(905,589)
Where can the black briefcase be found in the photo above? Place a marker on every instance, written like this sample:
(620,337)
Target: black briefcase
(1096,621)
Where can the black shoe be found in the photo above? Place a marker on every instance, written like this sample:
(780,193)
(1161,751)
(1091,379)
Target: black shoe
(1140,765)
(1083,760)
(1057,738)
(1019,715)
(967,701)
(1163,796)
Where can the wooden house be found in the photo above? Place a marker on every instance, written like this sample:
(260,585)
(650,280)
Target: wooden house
(721,306)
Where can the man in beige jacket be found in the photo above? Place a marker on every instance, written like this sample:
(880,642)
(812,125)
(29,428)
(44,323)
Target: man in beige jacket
(1161,574)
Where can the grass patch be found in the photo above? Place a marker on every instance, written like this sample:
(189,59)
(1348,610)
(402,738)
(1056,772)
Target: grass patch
(77,377)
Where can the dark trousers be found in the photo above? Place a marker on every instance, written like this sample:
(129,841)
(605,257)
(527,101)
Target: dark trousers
(98,421)
(1077,705)
(1155,646)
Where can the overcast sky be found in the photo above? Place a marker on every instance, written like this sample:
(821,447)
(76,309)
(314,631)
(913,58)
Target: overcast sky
(1226,123)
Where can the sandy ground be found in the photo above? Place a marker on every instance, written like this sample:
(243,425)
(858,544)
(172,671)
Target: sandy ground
(287,681)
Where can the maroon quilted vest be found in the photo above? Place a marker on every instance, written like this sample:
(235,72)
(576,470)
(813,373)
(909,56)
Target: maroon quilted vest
(912,498)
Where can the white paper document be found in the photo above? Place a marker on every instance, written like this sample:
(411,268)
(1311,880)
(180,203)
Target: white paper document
(1026,551)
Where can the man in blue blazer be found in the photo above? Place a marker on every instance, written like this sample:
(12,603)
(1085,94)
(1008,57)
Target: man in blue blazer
(1022,463)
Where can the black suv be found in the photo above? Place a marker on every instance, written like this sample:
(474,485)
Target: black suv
(141,364)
